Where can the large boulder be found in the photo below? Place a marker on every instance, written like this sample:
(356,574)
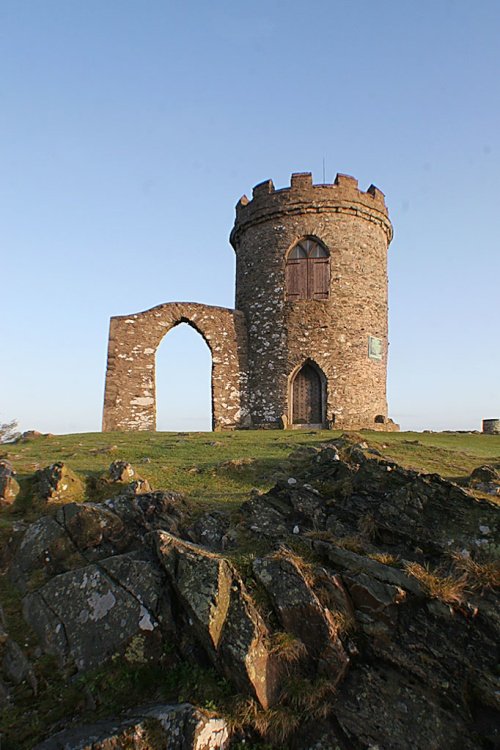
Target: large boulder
(221,615)
(86,615)
(290,587)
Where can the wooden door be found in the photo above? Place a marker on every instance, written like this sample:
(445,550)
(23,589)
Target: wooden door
(307,397)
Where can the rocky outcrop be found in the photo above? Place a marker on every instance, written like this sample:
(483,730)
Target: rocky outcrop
(58,482)
(485,479)
(290,588)
(9,487)
(181,727)
(124,473)
(355,493)
(90,581)
(81,533)
(351,606)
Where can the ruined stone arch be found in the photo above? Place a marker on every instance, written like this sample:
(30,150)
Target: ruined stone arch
(130,394)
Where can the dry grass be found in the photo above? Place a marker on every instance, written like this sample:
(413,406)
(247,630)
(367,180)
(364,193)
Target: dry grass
(343,622)
(302,699)
(287,647)
(275,724)
(305,568)
(322,536)
(479,576)
(312,698)
(384,557)
(353,543)
(445,588)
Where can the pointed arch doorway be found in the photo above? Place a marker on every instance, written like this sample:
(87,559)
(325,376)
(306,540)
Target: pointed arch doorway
(308,397)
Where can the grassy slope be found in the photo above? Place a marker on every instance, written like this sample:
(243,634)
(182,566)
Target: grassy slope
(192,463)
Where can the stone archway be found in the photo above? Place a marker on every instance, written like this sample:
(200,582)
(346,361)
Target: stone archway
(130,393)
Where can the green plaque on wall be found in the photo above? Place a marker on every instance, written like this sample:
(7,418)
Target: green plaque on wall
(374,348)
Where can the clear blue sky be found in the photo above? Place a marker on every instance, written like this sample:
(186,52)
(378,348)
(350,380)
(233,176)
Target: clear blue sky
(128,131)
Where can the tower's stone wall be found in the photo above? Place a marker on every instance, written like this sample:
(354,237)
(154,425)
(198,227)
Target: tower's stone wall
(333,333)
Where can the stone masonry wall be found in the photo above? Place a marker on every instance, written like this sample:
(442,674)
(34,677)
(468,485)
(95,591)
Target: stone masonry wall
(333,333)
(130,394)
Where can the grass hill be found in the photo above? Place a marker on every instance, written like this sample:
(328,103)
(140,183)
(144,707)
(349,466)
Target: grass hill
(220,469)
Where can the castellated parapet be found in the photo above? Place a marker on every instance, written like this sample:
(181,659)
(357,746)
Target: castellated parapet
(307,343)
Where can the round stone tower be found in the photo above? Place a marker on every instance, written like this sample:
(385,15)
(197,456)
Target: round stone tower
(311,279)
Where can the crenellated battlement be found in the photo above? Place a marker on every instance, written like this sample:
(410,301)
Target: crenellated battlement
(341,196)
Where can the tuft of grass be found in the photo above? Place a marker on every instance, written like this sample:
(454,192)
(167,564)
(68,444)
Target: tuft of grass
(311,698)
(322,536)
(343,622)
(275,724)
(287,647)
(385,558)
(480,576)
(446,588)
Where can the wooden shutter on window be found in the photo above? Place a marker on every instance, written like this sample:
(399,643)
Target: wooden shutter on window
(319,278)
(307,274)
(296,279)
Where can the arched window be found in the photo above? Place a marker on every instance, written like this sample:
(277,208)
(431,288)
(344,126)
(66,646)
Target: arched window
(308,271)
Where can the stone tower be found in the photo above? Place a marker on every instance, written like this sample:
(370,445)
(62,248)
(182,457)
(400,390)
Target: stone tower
(311,279)
(307,342)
